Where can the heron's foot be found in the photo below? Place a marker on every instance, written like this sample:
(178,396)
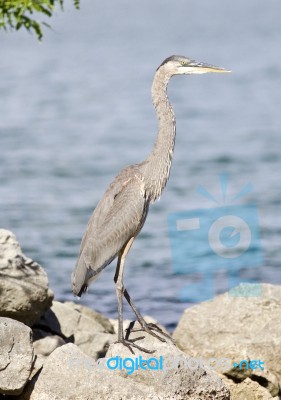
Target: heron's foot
(131,343)
(149,328)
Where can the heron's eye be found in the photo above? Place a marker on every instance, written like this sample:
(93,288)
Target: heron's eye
(183,63)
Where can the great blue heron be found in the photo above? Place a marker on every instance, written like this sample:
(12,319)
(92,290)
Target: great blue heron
(121,213)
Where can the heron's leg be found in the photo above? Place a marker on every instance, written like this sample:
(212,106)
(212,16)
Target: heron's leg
(118,279)
(120,290)
(147,327)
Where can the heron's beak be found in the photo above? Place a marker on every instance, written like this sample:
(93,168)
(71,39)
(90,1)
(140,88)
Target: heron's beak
(203,68)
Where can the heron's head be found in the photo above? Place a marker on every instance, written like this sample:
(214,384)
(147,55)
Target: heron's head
(177,65)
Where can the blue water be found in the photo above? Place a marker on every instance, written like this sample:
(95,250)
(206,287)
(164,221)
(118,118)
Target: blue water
(76,109)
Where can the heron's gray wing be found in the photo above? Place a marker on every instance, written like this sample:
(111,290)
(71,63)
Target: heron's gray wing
(118,216)
(123,220)
(128,179)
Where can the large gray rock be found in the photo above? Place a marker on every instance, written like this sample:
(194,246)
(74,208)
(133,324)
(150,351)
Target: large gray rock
(80,378)
(89,330)
(23,283)
(239,328)
(180,378)
(16,355)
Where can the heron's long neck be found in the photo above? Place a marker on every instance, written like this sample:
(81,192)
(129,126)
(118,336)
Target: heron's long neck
(156,168)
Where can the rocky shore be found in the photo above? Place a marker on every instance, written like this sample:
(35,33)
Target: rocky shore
(225,348)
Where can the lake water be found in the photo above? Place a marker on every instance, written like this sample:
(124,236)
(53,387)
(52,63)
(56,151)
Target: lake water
(76,109)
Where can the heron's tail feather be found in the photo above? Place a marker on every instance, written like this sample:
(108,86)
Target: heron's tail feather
(85,272)
(80,277)
(83,289)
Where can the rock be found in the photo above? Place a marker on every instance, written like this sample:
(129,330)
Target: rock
(114,323)
(78,378)
(89,330)
(45,344)
(23,283)
(239,328)
(81,378)
(16,356)
(248,390)
(178,380)
(92,314)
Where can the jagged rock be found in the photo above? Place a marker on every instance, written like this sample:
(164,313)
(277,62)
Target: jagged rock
(248,390)
(89,330)
(80,378)
(264,377)
(16,356)
(23,283)
(239,328)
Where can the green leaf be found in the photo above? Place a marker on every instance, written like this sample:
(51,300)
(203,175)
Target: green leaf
(15,14)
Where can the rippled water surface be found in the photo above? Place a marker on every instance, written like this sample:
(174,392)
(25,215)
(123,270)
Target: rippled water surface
(76,109)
